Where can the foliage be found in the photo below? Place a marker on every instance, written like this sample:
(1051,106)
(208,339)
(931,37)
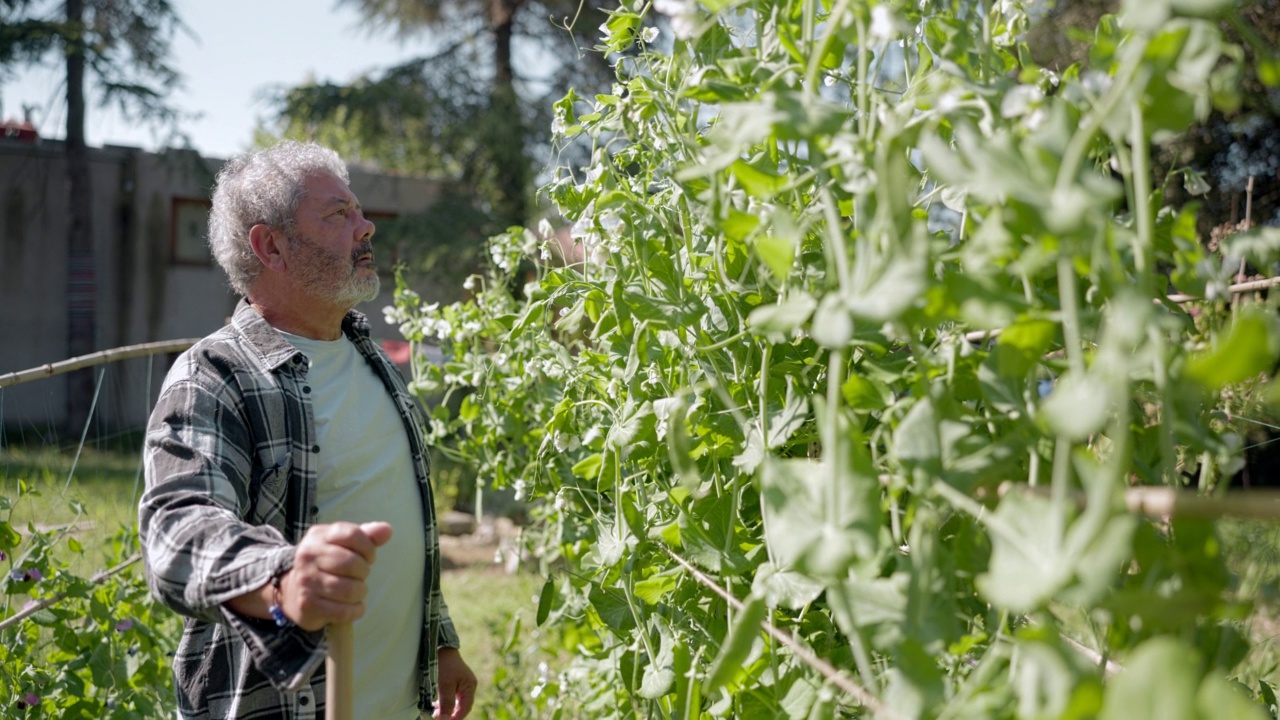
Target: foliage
(100,651)
(126,43)
(870,334)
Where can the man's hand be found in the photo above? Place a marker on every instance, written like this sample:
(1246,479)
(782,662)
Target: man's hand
(326,584)
(457,686)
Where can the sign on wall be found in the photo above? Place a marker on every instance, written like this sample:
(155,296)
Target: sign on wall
(189,242)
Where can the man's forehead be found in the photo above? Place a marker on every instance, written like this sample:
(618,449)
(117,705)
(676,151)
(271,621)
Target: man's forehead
(328,189)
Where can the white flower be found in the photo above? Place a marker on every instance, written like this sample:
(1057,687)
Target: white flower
(649,34)
(830,79)
(544,228)
(520,487)
(469,283)
(391,314)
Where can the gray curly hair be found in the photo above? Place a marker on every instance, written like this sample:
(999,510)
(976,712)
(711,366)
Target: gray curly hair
(262,187)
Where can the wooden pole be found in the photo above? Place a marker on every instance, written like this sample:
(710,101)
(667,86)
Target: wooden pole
(98,358)
(339,690)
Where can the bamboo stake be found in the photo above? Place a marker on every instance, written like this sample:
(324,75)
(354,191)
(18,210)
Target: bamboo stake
(1236,289)
(339,689)
(804,654)
(99,358)
(1154,501)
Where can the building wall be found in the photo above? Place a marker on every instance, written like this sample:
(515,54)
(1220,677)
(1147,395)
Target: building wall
(155,278)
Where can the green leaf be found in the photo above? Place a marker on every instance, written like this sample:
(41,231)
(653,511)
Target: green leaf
(1021,345)
(1251,347)
(1078,406)
(9,538)
(865,393)
(1027,565)
(1159,682)
(659,674)
(589,467)
(784,317)
(653,589)
(1220,698)
(818,522)
(778,254)
(897,288)
(791,417)
(758,183)
(612,608)
(734,650)
(784,588)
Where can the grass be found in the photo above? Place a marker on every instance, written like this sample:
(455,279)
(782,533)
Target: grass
(482,602)
(94,504)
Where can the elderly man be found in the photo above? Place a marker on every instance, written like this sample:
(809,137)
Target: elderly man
(287,482)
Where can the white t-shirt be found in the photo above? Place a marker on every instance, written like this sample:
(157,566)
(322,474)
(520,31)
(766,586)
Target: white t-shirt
(365,473)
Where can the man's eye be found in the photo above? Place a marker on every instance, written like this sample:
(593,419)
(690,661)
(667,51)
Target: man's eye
(342,212)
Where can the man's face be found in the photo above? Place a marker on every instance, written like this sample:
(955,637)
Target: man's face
(330,252)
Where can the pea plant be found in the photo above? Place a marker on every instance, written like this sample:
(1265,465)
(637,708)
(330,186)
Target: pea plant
(868,337)
(73,646)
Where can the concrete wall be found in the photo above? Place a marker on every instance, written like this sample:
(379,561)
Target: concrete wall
(155,279)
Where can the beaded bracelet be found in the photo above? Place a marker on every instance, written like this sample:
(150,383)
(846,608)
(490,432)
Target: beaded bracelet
(277,612)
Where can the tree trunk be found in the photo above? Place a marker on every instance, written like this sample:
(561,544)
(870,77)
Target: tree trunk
(507,126)
(81,278)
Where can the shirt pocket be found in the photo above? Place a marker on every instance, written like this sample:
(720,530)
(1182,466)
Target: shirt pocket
(268,491)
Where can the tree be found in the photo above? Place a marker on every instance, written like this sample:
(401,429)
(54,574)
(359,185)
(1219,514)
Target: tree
(124,46)
(469,111)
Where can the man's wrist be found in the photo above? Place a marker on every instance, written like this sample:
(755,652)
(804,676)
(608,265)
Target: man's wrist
(276,608)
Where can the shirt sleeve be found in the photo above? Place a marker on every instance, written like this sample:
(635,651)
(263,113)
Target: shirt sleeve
(448,635)
(199,552)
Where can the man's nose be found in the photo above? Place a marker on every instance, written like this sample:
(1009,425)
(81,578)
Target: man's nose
(366,229)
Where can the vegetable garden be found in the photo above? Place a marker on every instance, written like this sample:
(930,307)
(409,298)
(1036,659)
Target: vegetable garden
(883,377)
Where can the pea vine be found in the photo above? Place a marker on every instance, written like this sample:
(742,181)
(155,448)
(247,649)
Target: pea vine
(864,330)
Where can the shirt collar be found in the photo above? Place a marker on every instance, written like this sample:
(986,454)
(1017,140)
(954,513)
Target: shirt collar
(272,346)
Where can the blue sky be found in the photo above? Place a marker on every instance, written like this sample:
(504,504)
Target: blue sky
(240,48)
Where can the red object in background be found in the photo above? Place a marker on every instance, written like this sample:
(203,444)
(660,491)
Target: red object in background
(22,131)
(397,350)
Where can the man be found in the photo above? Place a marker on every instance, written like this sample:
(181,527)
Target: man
(286,474)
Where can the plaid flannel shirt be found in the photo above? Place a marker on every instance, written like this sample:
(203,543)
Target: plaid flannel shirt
(230,461)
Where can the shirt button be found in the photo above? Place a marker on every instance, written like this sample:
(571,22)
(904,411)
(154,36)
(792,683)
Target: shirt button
(306,389)
(304,701)
(315,448)
(315,510)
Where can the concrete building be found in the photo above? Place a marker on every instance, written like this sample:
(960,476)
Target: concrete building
(155,278)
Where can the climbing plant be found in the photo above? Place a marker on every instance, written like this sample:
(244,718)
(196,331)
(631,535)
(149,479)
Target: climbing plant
(850,383)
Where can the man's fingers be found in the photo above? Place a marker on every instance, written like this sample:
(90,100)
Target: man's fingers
(354,538)
(378,532)
(343,563)
(465,698)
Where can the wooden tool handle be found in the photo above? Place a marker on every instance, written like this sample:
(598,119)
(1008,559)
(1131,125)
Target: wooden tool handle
(339,686)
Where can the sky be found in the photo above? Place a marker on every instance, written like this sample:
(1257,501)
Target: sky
(233,51)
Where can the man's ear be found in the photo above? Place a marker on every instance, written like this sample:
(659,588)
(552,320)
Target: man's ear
(269,245)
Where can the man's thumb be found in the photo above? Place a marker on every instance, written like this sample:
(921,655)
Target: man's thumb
(378,532)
